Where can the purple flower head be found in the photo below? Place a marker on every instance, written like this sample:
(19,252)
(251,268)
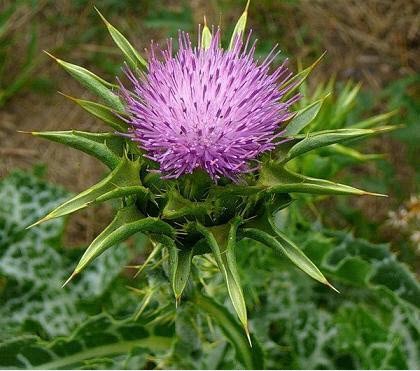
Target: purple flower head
(211,109)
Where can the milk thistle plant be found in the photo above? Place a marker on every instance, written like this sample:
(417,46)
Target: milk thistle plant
(200,140)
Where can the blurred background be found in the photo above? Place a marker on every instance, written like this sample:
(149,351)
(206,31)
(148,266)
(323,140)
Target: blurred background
(372,42)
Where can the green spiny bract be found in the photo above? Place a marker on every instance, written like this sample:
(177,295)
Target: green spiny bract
(193,215)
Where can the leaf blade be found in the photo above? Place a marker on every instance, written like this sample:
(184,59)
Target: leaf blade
(289,249)
(93,144)
(133,56)
(127,222)
(252,358)
(126,174)
(94,83)
(303,117)
(206,36)
(275,178)
(223,251)
(240,26)
(104,113)
(180,269)
(328,137)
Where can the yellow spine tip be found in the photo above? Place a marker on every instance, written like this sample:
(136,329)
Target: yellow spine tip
(50,55)
(69,279)
(37,223)
(67,96)
(332,287)
(247,6)
(374,194)
(248,336)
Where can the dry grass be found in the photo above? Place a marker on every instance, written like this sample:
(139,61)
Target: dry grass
(376,40)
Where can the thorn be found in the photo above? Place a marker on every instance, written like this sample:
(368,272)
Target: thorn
(248,336)
(135,289)
(384,129)
(247,6)
(25,132)
(67,96)
(69,279)
(50,55)
(132,266)
(140,270)
(38,222)
(205,21)
(374,194)
(102,17)
(332,287)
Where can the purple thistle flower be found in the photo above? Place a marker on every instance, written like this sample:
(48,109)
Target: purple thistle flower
(212,109)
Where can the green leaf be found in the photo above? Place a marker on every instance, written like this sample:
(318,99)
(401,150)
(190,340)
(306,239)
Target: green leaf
(328,137)
(283,244)
(180,261)
(240,26)
(383,268)
(104,113)
(303,118)
(101,337)
(33,263)
(125,191)
(94,83)
(251,358)
(352,153)
(134,59)
(222,244)
(206,36)
(106,147)
(127,222)
(346,100)
(277,179)
(157,248)
(297,80)
(372,121)
(126,174)
(178,207)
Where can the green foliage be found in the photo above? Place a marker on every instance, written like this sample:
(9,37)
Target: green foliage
(98,343)
(294,323)
(334,119)
(32,267)
(372,324)
(46,326)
